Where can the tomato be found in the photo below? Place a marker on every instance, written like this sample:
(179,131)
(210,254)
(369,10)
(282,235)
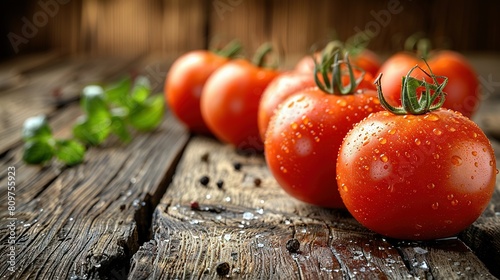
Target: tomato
(287,84)
(419,177)
(304,137)
(185,80)
(462,88)
(230,101)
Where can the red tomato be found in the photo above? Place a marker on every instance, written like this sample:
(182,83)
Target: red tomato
(462,88)
(289,83)
(184,84)
(416,176)
(230,101)
(304,137)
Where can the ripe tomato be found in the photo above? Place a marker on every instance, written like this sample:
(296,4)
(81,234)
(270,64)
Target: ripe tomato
(185,81)
(304,137)
(462,88)
(419,177)
(230,101)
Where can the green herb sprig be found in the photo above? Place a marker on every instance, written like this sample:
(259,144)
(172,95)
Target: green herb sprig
(108,110)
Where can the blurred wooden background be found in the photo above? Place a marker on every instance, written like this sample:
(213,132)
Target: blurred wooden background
(134,27)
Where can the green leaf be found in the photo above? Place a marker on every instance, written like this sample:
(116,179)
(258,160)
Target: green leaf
(148,115)
(92,130)
(36,128)
(118,125)
(37,151)
(118,93)
(70,152)
(93,102)
(141,90)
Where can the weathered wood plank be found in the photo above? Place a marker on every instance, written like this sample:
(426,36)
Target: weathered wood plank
(248,226)
(85,222)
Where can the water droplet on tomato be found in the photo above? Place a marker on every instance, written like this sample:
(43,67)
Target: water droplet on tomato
(448,222)
(435,205)
(341,102)
(376,151)
(474,135)
(316,139)
(366,167)
(417,141)
(294,125)
(472,177)
(454,202)
(427,142)
(418,226)
(435,156)
(431,117)
(437,131)
(344,187)
(456,160)
(298,134)
(476,164)
(290,105)
(474,153)
(450,196)
(382,140)
(384,158)
(283,169)
(391,131)
(431,186)
(451,129)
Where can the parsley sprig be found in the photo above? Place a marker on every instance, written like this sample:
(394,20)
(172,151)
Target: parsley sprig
(114,109)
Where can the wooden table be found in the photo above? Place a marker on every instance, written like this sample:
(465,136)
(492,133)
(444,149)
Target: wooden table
(127,211)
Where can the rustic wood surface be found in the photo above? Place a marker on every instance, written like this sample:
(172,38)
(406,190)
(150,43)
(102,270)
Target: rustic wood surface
(128,212)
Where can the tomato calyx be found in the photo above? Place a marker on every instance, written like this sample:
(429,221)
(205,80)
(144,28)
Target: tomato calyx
(231,50)
(432,98)
(330,70)
(259,58)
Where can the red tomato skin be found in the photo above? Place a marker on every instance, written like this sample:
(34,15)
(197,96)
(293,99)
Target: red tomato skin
(184,83)
(230,102)
(303,139)
(416,177)
(278,90)
(463,85)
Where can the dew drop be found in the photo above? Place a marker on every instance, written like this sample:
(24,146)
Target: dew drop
(384,158)
(283,169)
(435,205)
(382,140)
(474,134)
(376,151)
(341,102)
(298,135)
(437,131)
(456,160)
(474,153)
(476,164)
(391,131)
(454,202)
(366,167)
(344,187)
(435,156)
(452,129)
(417,141)
(472,177)
(316,139)
(431,117)
(450,196)
(431,186)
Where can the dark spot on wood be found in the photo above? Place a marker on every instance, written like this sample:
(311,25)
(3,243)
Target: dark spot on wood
(257,182)
(204,180)
(293,245)
(220,184)
(237,166)
(222,269)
